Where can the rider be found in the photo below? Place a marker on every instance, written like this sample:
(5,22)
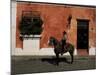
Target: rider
(64,38)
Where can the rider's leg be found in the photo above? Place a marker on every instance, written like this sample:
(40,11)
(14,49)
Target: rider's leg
(62,47)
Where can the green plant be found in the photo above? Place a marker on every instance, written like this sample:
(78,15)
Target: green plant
(30,25)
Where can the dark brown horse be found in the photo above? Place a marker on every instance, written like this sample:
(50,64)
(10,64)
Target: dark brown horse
(58,48)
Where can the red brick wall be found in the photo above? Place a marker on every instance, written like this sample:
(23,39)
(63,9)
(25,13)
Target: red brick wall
(55,21)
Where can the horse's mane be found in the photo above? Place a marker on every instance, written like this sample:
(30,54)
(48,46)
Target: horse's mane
(57,41)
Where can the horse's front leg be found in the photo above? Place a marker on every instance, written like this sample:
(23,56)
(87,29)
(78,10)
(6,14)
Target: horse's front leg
(57,59)
(71,53)
(72,58)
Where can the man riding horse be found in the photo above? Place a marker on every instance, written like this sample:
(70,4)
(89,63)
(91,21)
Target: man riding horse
(61,47)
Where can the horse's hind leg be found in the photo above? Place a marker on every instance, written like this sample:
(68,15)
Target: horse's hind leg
(57,59)
(72,58)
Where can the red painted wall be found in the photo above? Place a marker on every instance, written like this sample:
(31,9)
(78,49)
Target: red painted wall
(55,21)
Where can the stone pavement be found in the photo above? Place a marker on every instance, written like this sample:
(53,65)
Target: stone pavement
(35,64)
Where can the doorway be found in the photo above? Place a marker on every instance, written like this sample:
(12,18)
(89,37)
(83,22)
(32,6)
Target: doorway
(82,36)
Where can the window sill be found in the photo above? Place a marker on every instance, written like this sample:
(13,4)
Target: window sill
(30,36)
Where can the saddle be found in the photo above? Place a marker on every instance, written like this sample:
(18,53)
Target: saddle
(66,46)
(65,49)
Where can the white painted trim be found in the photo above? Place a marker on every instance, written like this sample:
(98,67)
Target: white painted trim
(38,36)
(92,51)
(41,52)
(30,36)
(13,26)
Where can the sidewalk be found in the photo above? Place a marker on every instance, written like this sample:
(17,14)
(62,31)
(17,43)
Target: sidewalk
(40,57)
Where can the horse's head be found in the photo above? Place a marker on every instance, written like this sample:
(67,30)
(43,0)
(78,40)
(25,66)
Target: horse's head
(52,41)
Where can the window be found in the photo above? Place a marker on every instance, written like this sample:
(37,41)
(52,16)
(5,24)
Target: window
(31,23)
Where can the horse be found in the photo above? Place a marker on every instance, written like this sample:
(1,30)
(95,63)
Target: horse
(58,48)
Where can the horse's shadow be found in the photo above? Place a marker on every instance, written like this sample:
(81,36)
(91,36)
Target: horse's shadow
(53,60)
